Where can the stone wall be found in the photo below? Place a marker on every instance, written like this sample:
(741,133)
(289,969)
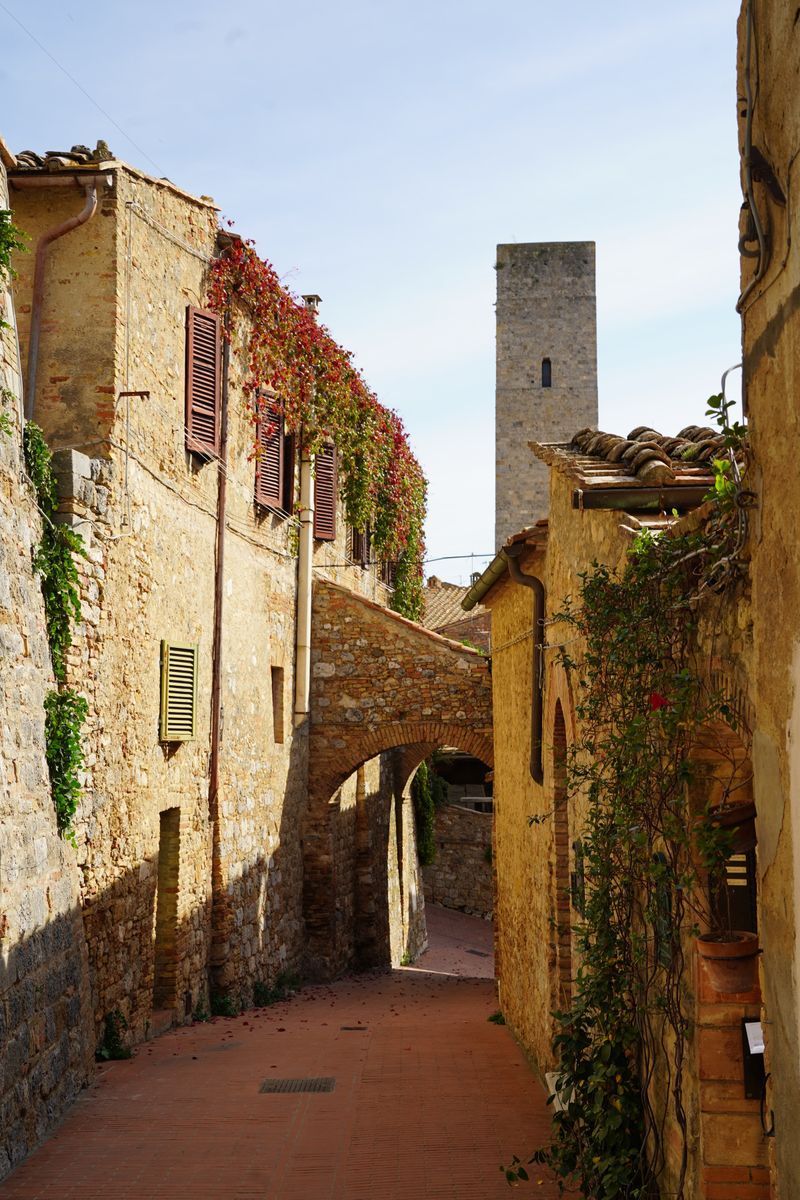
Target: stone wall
(771,347)
(533,862)
(379,682)
(120,288)
(461,875)
(546,308)
(45,1017)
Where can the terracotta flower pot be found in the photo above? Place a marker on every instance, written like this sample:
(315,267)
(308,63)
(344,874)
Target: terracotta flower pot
(732,965)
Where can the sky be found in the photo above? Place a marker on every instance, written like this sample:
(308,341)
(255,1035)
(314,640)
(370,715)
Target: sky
(377,153)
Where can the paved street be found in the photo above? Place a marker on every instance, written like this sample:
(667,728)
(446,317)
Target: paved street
(429,1098)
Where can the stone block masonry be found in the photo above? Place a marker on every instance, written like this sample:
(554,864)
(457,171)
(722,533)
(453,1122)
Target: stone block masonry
(46,1036)
(546,382)
(461,875)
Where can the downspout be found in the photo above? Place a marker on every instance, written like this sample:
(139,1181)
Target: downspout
(219,902)
(89,185)
(302,679)
(511,554)
(305,565)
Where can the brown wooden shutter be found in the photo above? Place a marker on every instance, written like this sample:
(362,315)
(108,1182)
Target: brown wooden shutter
(269,464)
(203,381)
(325,494)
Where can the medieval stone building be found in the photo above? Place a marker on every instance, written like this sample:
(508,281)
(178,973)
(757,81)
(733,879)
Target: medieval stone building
(252,723)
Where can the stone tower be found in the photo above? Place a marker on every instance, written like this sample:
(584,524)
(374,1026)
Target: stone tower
(546,381)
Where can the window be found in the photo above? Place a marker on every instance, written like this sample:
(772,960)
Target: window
(361,546)
(388,572)
(178,692)
(203,382)
(325,494)
(547,373)
(277,704)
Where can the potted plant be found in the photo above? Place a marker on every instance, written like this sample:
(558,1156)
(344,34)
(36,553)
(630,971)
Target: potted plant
(730,956)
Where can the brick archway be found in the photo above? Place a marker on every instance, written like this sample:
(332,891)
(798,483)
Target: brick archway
(380,683)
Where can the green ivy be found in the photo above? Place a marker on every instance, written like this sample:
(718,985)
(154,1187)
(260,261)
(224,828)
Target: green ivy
(53,559)
(113,1045)
(6,397)
(54,556)
(65,712)
(644,707)
(424,814)
(11,239)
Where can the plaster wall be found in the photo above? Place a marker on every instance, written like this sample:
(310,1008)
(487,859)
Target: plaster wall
(771,355)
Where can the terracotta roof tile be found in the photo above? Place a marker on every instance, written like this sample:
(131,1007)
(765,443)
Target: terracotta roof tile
(645,458)
(443,603)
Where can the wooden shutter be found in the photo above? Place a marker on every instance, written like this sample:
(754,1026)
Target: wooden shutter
(203,381)
(359,552)
(269,463)
(325,494)
(178,692)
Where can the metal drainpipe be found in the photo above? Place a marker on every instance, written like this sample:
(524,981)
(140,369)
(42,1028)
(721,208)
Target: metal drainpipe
(302,686)
(305,566)
(511,554)
(219,905)
(89,185)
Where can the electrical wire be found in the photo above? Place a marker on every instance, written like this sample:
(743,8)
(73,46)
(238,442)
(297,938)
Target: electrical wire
(79,86)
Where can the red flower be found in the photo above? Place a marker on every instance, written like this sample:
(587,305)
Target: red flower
(656,701)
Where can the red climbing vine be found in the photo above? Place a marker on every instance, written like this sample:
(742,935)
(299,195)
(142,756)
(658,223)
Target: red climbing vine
(323,395)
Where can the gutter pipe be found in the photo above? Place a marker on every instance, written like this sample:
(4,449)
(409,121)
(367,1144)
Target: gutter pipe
(506,560)
(302,680)
(305,567)
(220,905)
(90,184)
(511,554)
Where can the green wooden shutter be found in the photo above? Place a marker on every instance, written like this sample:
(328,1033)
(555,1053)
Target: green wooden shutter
(178,692)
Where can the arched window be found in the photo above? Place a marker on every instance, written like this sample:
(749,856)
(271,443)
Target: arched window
(547,373)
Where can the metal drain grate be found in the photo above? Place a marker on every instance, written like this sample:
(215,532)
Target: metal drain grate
(298,1085)
(353,1028)
(480,953)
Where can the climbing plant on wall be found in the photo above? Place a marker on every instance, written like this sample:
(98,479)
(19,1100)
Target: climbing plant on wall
(323,395)
(644,708)
(53,559)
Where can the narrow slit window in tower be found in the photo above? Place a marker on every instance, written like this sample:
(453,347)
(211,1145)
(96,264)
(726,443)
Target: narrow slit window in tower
(547,373)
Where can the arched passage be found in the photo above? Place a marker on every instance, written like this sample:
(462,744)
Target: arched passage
(382,687)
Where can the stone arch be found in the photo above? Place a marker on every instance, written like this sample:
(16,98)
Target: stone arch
(426,735)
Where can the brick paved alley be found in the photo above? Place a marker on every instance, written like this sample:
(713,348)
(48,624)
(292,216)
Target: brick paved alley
(429,1097)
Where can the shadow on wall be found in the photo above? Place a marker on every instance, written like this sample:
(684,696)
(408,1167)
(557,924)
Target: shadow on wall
(378,914)
(45,1033)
